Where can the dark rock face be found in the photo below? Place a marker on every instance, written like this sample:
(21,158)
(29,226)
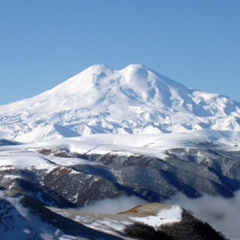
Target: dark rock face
(191,171)
(152,179)
(79,187)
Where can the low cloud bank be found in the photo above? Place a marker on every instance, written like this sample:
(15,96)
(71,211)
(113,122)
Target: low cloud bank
(221,213)
(112,206)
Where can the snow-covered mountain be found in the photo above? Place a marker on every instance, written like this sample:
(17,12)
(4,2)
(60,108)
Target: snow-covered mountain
(102,100)
(117,146)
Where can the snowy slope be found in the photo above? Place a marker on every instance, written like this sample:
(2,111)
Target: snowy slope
(150,214)
(102,100)
(25,218)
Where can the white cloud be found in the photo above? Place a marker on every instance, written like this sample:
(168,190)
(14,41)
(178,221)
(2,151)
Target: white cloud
(221,213)
(112,206)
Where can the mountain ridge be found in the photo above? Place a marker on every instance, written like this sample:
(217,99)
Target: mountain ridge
(100,99)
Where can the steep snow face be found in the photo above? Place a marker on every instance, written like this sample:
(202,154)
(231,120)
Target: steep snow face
(102,100)
(17,221)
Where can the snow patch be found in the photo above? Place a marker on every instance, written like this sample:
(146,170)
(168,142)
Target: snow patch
(165,216)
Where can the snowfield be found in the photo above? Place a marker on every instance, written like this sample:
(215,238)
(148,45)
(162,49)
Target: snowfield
(166,216)
(152,145)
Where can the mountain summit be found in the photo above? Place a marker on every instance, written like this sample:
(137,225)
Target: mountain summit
(100,99)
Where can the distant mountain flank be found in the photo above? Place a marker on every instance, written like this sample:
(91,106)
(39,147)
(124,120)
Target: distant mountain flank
(134,100)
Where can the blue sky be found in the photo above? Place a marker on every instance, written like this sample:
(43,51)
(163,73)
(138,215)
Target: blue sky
(45,42)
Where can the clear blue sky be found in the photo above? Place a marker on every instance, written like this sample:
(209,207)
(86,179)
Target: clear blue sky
(45,42)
